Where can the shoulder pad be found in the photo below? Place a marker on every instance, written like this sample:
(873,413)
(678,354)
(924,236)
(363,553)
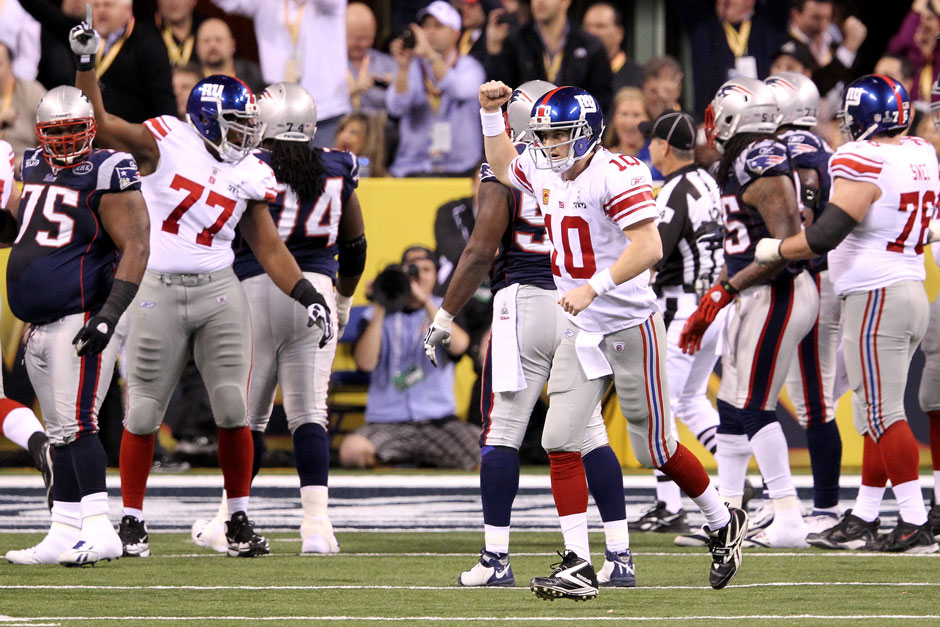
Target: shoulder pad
(765,157)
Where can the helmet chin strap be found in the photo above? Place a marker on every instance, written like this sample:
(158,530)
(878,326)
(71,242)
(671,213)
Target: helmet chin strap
(871,129)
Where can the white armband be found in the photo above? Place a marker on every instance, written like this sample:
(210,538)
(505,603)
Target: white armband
(493,123)
(602,282)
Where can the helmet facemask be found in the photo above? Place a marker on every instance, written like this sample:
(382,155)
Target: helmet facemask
(241,133)
(580,143)
(68,142)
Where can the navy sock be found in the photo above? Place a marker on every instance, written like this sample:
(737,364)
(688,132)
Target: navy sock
(312,454)
(605,481)
(825,456)
(65,487)
(89,463)
(257,440)
(499,483)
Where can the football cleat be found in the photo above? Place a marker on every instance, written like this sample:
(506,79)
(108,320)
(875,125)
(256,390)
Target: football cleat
(851,533)
(91,551)
(60,538)
(571,578)
(821,520)
(242,539)
(41,450)
(725,547)
(696,538)
(933,519)
(907,538)
(618,570)
(660,520)
(134,537)
(492,570)
(317,536)
(763,517)
(780,535)
(210,534)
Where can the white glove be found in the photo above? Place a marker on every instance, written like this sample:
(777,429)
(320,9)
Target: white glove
(767,251)
(933,231)
(438,333)
(343,305)
(84,41)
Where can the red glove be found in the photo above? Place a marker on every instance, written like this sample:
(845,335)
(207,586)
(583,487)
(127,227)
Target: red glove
(690,340)
(716,299)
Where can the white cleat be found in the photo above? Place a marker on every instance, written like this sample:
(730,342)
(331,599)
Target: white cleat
(317,536)
(61,537)
(819,522)
(780,535)
(210,534)
(91,551)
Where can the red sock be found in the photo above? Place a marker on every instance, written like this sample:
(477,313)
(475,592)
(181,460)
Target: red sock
(935,438)
(6,406)
(569,485)
(135,463)
(873,469)
(236,454)
(899,453)
(685,469)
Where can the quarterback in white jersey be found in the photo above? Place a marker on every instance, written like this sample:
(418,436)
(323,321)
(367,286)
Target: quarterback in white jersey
(600,217)
(884,190)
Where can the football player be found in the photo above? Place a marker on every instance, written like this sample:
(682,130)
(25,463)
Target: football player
(884,192)
(81,214)
(318,216)
(200,182)
(600,217)
(509,236)
(776,305)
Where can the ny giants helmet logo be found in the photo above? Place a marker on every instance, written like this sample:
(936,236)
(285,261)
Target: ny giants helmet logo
(211,91)
(586,101)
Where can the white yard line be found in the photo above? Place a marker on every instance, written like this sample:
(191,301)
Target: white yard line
(491,619)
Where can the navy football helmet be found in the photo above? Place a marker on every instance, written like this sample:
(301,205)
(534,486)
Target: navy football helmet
(874,104)
(223,111)
(571,109)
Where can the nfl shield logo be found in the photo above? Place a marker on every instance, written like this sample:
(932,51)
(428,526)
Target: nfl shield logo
(618,347)
(544,196)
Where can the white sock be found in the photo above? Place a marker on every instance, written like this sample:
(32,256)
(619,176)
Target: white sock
(239,504)
(712,507)
(95,504)
(773,459)
(787,510)
(313,500)
(910,502)
(868,502)
(136,513)
(67,513)
(19,424)
(732,456)
(668,492)
(574,530)
(936,487)
(496,538)
(222,512)
(617,535)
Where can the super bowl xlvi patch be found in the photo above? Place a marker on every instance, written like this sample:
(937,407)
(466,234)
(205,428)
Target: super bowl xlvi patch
(83,168)
(147,304)
(32,162)
(504,314)
(618,347)
(569,333)
(127,176)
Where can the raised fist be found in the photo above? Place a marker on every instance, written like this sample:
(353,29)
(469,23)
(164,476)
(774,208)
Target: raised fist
(493,95)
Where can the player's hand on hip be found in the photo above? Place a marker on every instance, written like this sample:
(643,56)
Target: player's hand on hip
(83,39)
(438,334)
(318,313)
(94,336)
(578,299)
(767,251)
(493,94)
(716,299)
(690,340)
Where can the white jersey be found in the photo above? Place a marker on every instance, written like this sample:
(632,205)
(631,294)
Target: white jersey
(888,245)
(585,219)
(6,173)
(195,201)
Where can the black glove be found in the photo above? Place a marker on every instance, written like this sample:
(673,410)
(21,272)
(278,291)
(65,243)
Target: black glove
(318,312)
(94,336)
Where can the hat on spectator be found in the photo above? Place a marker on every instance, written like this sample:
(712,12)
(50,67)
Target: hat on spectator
(799,52)
(443,12)
(675,127)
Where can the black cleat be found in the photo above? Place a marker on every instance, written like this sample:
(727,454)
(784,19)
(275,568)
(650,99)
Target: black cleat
(907,538)
(933,519)
(850,533)
(572,578)
(134,537)
(660,520)
(242,539)
(41,451)
(725,547)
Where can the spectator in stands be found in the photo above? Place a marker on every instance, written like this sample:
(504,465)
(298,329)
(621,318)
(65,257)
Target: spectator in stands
(902,70)
(550,48)
(473,14)
(56,61)
(178,24)
(19,98)
(411,405)
(363,135)
(833,52)
(20,34)
(132,65)
(792,58)
(185,78)
(605,21)
(731,39)
(215,49)
(434,95)
(916,41)
(370,72)
(662,85)
(303,41)
(623,133)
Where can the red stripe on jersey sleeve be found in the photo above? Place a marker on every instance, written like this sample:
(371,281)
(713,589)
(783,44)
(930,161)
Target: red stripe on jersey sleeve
(856,164)
(153,125)
(642,197)
(622,195)
(844,172)
(521,176)
(632,210)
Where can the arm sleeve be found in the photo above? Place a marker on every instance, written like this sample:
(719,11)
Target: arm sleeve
(855,163)
(672,223)
(629,197)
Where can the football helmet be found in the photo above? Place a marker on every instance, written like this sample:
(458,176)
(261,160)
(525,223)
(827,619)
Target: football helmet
(288,113)
(797,98)
(65,126)
(519,108)
(741,105)
(568,109)
(223,111)
(874,104)
(935,104)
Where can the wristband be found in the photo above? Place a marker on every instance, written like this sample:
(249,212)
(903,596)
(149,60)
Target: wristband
(726,286)
(85,62)
(493,123)
(602,282)
(442,319)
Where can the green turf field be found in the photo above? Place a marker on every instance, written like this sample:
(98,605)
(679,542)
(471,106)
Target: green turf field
(411,578)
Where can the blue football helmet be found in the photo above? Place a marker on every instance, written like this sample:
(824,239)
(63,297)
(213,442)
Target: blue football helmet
(571,109)
(223,111)
(874,104)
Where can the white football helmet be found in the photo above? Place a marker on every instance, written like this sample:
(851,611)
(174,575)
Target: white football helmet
(65,126)
(797,98)
(519,107)
(288,113)
(741,105)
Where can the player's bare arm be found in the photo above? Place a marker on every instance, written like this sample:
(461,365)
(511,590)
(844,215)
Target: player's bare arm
(497,145)
(257,227)
(352,259)
(642,253)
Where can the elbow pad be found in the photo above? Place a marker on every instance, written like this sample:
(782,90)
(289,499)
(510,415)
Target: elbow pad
(829,229)
(352,256)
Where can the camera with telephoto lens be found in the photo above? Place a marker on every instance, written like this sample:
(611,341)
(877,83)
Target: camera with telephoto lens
(408,41)
(392,287)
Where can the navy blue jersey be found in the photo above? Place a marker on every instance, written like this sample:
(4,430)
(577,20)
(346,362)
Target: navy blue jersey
(309,229)
(744,225)
(524,250)
(63,261)
(810,151)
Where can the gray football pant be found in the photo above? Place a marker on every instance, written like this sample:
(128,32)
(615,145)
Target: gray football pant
(929,394)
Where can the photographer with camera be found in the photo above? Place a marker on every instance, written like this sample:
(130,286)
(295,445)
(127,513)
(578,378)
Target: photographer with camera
(434,97)
(411,405)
